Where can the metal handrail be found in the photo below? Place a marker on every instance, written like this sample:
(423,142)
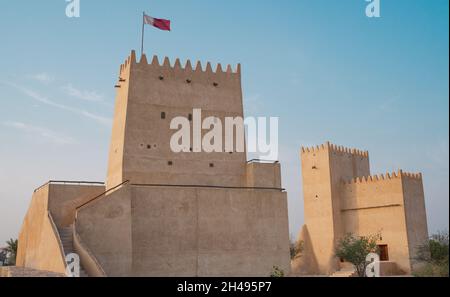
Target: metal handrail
(78,241)
(209,187)
(58,237)
(262,161)
(101,195)
(65,182)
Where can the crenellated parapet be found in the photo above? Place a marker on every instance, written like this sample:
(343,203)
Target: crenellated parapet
(315,149)
(383,177)
(189,71)
(335,148)
(341,196)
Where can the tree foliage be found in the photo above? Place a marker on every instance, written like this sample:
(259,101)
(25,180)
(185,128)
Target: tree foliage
(354,249)
(11,248)
(296,249)
(277,272)
(433,255)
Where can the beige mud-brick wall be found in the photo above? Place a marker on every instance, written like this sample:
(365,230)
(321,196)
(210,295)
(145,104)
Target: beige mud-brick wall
(38,246)
(318,206)
(265,175)
(188,231)
(323,169)
(374,205)
(151,96)
(223,232)
(305,263)
(116,150)
(104,226)
(64,199)
(345,164)
(416,217)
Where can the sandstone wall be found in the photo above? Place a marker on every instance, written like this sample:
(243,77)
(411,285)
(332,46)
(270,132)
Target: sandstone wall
(416,217)
(150,96)
(323,169)
(64,199)
(177,231)
(38,246)
(375,205)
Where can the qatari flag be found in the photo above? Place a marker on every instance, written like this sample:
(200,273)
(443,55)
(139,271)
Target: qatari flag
(158,23)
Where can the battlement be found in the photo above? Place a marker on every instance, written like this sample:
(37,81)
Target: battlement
(167,66)
(334,148)
(149,96)
(382,177)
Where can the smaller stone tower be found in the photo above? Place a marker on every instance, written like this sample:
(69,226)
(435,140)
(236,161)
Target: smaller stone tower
(340,197)
(323,168)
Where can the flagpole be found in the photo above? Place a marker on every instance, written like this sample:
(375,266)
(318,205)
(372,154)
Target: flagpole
(143,28)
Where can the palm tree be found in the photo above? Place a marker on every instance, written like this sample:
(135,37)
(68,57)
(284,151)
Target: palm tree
(11,248)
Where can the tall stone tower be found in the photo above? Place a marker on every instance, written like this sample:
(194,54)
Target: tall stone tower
(192,213)
(341,197)
(163,213)
(149,96)
(323,170)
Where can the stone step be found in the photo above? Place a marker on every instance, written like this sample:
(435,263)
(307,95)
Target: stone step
(345,271)
(66,235)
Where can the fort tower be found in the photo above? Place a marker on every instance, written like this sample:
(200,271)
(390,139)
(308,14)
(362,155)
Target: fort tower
(149,96)
(341,197)
(163,213)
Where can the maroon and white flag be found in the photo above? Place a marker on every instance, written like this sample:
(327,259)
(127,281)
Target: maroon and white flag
(161,24)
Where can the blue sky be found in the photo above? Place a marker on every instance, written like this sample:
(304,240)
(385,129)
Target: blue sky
(322,66)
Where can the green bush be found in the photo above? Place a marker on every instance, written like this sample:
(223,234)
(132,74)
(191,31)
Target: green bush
(354,249)
(432,256)
(296,249)
(277,272)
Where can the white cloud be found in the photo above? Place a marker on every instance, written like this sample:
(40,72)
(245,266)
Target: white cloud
(41,132)
(43,78)
(42,99)
(82,94)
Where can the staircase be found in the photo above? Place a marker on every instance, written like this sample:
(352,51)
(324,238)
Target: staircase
(347,270)
(66,235)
